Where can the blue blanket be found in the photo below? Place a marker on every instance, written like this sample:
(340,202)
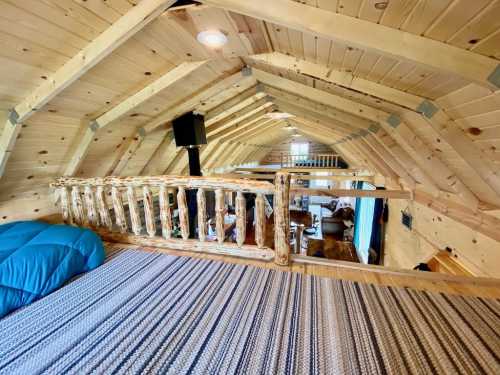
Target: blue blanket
(36,258)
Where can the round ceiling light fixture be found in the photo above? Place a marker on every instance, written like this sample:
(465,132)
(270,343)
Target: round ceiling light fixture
(381,5)
(212,38)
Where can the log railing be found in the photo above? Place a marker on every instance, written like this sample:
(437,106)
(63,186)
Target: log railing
(309,161)
(94,202)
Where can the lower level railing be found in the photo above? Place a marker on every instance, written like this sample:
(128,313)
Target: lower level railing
(99,203)
(309,161)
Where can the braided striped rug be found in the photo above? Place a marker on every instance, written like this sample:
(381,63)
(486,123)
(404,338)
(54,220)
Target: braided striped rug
(149,313)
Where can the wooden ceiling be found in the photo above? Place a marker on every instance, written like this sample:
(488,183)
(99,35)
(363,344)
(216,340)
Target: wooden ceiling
(94,107)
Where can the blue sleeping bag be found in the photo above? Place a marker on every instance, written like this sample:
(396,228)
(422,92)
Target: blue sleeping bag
(36,258)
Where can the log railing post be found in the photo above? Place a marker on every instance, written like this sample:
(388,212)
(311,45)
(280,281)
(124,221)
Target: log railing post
(91,204)
(260,220)
(135,218)
(165,214)
(121,221)
(219,215)
(183,213)
(202,214)
(282,218)
(102,205)
(149,213)
(65,205)
(241,222)
(77,206)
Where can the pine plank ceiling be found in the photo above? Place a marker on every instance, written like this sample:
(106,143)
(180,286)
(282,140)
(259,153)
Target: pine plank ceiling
(341,93)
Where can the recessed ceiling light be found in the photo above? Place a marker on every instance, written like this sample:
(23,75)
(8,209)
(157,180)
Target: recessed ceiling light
(212,38)
(279,115)
(381,5)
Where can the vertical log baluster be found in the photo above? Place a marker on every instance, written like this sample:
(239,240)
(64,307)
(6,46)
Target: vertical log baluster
(241,216)
(183,213)
(165,215)
(121,221)
(77,206)
(202,214)
(92,215)
(135,218)
(219,215)
(282,218)
(260,220)
(65,205)
(149,211)
(103,208)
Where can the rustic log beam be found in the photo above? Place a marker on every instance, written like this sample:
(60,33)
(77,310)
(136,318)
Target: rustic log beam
(102,204)
(241,218)
(202,214)
(220,209)
(121,221)
(282,219)
(260,221)
(149,213)
(165,214)
(183,213)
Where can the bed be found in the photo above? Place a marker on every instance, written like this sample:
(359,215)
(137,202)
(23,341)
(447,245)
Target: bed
(146,312)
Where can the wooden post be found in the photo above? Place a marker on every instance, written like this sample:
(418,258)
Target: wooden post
(165,215)
(65,205)
(77,206)
(121,221)
(149,212)
(260,221)
(135,218)
(241,215)
(282,218)
(183,213)
(219,215)
(103,208)
(202,214)
(90,202)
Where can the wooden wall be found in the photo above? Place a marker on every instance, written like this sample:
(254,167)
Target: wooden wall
(432,232)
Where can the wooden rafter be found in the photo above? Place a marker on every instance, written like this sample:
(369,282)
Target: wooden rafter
(367,35)
(119,32)
(398,129)
(436,118)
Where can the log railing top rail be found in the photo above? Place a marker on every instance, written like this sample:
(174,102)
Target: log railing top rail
(191,182)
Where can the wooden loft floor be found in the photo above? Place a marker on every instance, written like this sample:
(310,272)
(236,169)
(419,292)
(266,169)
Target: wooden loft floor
(432,282)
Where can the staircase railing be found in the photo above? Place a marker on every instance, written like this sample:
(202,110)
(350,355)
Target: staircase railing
(99,203)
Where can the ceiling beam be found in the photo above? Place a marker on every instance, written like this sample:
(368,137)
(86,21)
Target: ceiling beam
(418,108)
(390,122)
(369,35)
(114,36)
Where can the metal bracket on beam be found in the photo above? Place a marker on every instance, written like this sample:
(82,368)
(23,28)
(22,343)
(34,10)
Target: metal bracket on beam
(427,108)
(13,116)
(142,132)
(374,128)
(260,87)
(246,71)
(394,120)
(93,126)
(494,77)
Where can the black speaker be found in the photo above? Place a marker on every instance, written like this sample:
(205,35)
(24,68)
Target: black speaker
(189,130)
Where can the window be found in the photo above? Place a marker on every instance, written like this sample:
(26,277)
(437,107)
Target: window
(300,149)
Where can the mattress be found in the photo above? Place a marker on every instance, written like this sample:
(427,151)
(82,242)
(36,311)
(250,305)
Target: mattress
(144,312)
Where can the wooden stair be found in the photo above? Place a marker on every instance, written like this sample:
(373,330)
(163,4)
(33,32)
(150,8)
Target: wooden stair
(445,262)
